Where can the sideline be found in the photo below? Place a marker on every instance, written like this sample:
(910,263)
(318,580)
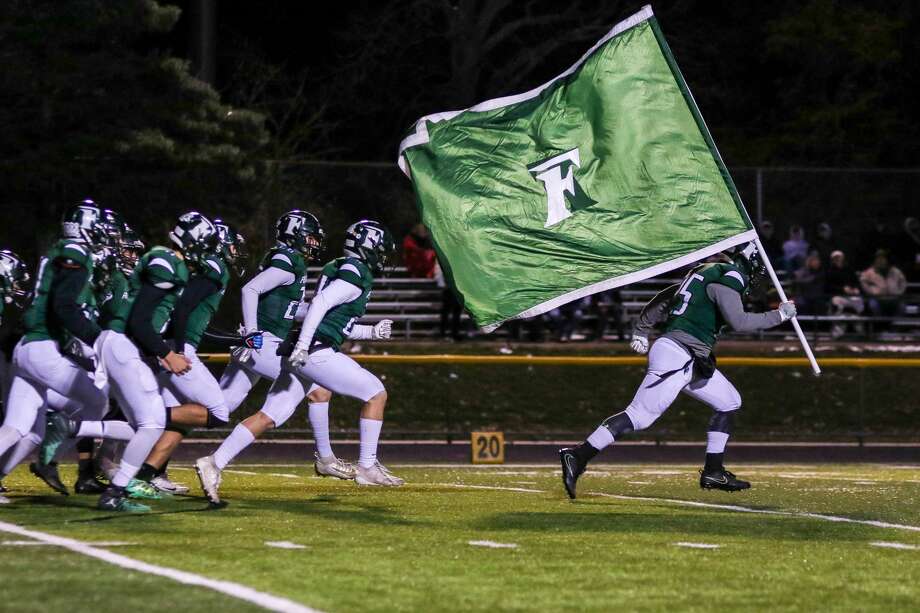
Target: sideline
(241,592)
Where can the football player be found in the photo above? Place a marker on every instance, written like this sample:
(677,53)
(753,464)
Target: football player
(14,279)
(692,316)
(194,399)
(340,300)
(134,334)
(272,302)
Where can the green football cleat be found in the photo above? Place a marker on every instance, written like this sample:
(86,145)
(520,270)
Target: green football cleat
(143,490)
(59,429)
(113,500)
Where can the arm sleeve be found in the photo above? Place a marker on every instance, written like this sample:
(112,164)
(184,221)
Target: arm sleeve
(265,281)
(301,313)
(140,322)
(70,279)
(361,333)
(197,290)
(729,303)
(336,293)
(655,312)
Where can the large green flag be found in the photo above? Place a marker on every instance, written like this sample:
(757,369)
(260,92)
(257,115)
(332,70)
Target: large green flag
(604,176)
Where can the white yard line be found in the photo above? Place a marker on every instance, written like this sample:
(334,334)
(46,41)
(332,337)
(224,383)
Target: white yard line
(890,545)
(284,475)
(43,544)
(235,590)
(493,544)
(696,545)
(284,545)
(733,507)
(239,472)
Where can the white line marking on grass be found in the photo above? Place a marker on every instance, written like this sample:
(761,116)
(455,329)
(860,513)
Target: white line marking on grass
(285,545)
(43,544)
(493,544)
(697,545)
(732,507)
(285,475)
(639,482)
(890,545)
(490,487)
(239,472)
(241,592)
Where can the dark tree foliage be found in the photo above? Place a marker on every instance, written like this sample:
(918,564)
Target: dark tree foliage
(91,107)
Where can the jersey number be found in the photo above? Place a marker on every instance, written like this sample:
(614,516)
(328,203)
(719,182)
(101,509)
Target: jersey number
(291,310)
(685,293)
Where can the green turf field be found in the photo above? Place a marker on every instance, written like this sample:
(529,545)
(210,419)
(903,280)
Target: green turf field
(616,548)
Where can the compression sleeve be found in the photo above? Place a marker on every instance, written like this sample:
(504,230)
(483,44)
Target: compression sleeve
(69,280)
(729,303)
(265,281)
(336,293)
(194,293)
(361,333)
(140,322)
(655,312)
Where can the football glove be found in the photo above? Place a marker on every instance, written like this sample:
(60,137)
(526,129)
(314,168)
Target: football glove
(253,340)
(299,355)
(383,329)
(639,344)
(786,310)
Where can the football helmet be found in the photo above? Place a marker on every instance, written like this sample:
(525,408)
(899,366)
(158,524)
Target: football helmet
(14,278)
(233,246)
(195,236)
(83,222)
(130,251)
(370,242)
(301,231)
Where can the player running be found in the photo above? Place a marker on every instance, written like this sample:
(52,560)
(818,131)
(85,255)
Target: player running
(134,334)
(341,299)
(14,279)
(692,316)
(194,399)
(272,302)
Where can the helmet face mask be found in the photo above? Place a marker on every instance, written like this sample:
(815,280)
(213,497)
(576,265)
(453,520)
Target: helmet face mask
(83,222)
(371,242)
(232,246)
(302,232)
(748,258)
(129,251)
(195,236)
(14,278)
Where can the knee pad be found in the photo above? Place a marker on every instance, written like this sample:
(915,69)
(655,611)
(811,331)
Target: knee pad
(215,421)
(641,418)
(722,421)
(619,424)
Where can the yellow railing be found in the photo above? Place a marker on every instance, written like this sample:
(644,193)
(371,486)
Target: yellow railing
(546,360)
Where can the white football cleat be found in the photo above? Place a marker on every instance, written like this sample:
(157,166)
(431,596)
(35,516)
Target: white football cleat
(209,475)
(333,467)
(377,475)
(164,484)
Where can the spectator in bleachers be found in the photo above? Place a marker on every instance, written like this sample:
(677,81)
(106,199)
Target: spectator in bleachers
(842,286)
(824,241)
(608,308)
(451,309)
(907,249)
(884,285)
(418,254)
(810,296)
(770,242)
(878,236)
(795,250)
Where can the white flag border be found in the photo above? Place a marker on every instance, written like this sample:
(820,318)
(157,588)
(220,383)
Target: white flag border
(633,277)
(420,136)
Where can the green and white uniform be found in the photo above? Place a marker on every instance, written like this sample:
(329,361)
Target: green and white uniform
(339,321)
(693,315)
(160,267)
(198,385)
(271,301)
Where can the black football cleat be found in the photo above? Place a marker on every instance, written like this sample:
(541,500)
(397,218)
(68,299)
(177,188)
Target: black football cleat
(722,480)
(89,485)
(572,468)
(49,474)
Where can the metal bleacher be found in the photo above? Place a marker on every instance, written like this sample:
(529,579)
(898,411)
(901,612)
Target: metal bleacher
(414,305)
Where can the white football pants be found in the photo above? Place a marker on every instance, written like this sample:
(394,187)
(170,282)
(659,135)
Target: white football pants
(197,386)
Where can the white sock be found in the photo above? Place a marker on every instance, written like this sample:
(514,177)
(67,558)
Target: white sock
(601,438)
(238,440)
(319,420)
(119,430)
(716,441)
(370,434)
(136,452)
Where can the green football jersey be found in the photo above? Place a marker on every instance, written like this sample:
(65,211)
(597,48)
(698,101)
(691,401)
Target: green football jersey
(693,311)
(40,323)
(339,320)
(278,306)
(112,297)
(215,269)
(161,267)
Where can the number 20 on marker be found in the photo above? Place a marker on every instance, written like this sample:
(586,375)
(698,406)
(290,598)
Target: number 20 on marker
(488,447)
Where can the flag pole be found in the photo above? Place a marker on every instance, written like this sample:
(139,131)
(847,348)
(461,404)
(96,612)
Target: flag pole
(782,296)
